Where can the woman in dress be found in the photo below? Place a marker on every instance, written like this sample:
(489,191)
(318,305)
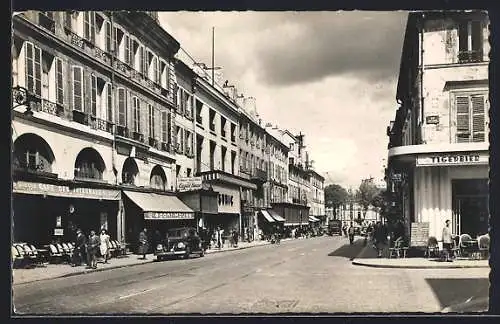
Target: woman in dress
(104,246)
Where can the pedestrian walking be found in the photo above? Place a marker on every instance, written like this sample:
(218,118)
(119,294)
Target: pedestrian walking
(380,238)
(79,253)
(235,238)
(447,240)
(219,232)
(92,247)
(104,245)
(143,243)
(351,233)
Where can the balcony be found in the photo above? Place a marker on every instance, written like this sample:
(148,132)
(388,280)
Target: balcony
(122,131)
(178,149)
(470,56)
(153,142)
(100,124)
(46,22)
(37,169)
(138,137)
(259,175)
(47,106)
(80,117)
(245,171)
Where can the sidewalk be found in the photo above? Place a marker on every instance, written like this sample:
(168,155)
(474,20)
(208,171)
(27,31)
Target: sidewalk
(368,258)
(52,271)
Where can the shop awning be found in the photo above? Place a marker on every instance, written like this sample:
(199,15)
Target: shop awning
(276,216)
(161,207)
(267,216)
(313,219)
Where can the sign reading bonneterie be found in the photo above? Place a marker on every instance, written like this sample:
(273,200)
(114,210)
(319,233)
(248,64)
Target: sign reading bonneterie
(38,188)
(168,215)
(447,159)
(189,183)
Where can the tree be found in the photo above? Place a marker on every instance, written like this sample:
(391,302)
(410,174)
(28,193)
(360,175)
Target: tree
(335,196)
(368,194)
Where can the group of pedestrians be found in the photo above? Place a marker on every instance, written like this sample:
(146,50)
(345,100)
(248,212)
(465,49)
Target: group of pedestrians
(88,249)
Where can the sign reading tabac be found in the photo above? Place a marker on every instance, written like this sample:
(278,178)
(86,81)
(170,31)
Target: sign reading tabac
(450,159)
(189,183)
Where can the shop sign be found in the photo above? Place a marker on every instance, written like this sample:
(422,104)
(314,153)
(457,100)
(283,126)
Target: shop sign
(453,159)
(58,232)
(419,234)
(396,177)
(189,183)
(64,191)
(432,120)
(167,215)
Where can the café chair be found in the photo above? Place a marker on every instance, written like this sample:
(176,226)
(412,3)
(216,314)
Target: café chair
(484,246)
(465,249)
(54,253)
(17,257)
(396,248)
(432,247)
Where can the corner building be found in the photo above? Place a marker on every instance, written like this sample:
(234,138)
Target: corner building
(100,147)
(438,142)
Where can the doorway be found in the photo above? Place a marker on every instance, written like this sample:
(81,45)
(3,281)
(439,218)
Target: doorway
(470,207)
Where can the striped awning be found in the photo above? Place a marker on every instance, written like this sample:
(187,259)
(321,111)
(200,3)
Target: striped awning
(160,207)
(276,216)
(267,216)
(313,219)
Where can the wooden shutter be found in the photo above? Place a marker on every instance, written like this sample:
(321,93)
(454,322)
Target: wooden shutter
(122,108)
(59,82)
(463,120)
(93,95)
(77,88)
(109,102)
(478,119)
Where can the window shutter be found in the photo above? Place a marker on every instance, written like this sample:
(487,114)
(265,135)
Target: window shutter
(93,95)
(109,102)
(463,121)
(59,82)
(478,119)
(107,30)
(121,107)
(77,88)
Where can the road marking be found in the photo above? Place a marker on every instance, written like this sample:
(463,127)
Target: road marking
(135,294)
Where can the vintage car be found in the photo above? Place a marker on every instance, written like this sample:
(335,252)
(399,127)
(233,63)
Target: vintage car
(179,242)
(335,227)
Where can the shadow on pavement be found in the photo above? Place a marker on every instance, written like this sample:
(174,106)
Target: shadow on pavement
(347,250)
(461,294)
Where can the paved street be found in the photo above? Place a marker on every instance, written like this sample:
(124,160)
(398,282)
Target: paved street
(307,275)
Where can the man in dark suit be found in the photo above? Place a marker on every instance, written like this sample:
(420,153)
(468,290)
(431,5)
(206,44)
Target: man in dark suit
(80,245)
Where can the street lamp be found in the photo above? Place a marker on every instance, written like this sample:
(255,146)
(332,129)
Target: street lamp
(22,97)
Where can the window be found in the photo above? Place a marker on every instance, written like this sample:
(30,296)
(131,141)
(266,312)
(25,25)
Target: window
(233,132)
(223,126)
(136,114)
(164,69)
(164,126)
(142,60)
(78,88)
(68,19)
(33,68)
(156,70)
(212,120)
(151,119)
(109,102)
(93,95)
(470,41)
(59,82)
(223,158)
(188,172)
(127,51)
(471,118)
(89,26)
(107,35)
(122,107)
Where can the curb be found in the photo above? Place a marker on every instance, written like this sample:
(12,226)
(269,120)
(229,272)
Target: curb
(71,274)
(389,266)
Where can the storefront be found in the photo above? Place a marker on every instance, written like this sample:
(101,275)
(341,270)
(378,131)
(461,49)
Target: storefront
(53,209)
(229,207)
(295,215)
(154,211)
(446,185)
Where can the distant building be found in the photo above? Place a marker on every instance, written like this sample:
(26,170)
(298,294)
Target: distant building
(438,142)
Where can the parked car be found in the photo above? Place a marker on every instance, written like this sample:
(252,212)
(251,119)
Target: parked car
(180,242)
(335,227)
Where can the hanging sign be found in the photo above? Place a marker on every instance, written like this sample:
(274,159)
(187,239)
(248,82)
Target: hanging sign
(189,183)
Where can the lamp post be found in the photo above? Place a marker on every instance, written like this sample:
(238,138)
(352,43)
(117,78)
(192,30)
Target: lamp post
(22,97)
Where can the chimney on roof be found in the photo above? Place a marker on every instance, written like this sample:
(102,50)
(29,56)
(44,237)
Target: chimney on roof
(250,107)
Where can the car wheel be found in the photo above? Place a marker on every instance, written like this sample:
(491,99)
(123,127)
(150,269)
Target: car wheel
(188,252)
(159,258)
(202,253)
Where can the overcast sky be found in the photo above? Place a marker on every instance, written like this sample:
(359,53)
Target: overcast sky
(331,75)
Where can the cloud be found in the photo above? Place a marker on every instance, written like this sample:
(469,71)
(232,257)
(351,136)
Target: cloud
(322,44)
(331,75)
